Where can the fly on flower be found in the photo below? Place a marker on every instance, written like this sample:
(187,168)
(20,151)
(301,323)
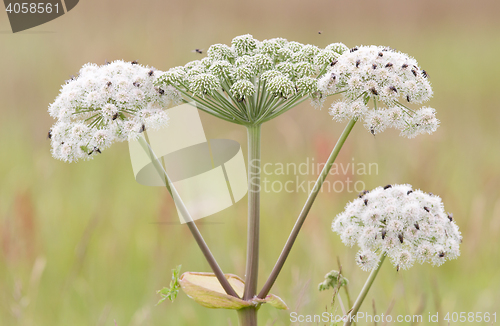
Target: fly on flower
(378,75)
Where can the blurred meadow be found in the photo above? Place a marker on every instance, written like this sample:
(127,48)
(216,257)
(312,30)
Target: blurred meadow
(84,244)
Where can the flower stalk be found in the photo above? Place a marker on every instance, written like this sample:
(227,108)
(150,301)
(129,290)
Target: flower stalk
(362,295)
(248,315)
(305,210)
(187,216)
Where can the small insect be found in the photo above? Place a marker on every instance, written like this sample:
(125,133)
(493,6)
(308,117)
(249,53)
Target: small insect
(401,238)
(108,84)
(394,89)
(372,130)
(358,62)
(374,91)
(333,77)
(97,150)
(431,194)
(384,233)
(409,192)
(450,217)
(374,66)
(414,72)
(334,62)
(387,187)
(397,268)
(151,73)
(354,49)
(199,51)
(106,62)
(404,66)
(427,209)
(408,98)
(143,128)
(160,91)
(380,54)
(417,226)
(389,65)
(71,78)
(135,62)
(136,84)
(441,254)
(49,134)
(424,73)
(320,32)
(115,116)
(361,194)
(386,49)
(366,202)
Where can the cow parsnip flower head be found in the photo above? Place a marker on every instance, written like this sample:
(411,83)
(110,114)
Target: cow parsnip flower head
(104,104)
(253,81)
(407,225)
(376,75)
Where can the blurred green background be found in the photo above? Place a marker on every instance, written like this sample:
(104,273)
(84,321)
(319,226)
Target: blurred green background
(84,244)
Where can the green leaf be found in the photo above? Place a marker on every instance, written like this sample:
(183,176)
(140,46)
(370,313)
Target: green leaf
(274,301)
(205,289)
(172,291)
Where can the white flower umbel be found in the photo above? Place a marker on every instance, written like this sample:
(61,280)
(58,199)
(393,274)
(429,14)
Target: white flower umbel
(406,225)
(252,81)
(380,75)
(104,104)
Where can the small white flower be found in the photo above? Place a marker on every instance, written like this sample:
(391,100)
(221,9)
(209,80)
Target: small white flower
(281,86)
(244,44)
(204,83)
(406,225)
(243,88)
(367,260)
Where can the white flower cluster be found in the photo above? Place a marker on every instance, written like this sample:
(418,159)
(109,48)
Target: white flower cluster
(381,75)
(407,225)
(104,104)
(275,68)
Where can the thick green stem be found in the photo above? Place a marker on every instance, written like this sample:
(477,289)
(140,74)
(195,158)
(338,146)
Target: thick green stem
(189,220)
(364,292)
(305,210)
(252,267)
(248,316)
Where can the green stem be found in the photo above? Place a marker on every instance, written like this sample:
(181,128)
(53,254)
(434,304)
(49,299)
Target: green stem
(187,217)
(252,264)
(305,210)
(248,316)
(364,292)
